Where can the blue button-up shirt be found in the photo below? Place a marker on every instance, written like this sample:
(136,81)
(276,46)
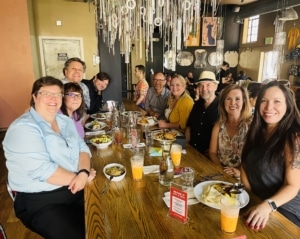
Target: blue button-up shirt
(34,151)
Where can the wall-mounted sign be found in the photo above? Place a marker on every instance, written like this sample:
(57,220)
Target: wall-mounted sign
(62,56)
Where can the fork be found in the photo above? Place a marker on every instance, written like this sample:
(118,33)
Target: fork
(106,184)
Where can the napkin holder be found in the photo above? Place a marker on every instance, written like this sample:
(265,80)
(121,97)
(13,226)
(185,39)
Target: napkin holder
(180,139)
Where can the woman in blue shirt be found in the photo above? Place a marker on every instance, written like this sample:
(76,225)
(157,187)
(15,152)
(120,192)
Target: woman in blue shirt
(48,165)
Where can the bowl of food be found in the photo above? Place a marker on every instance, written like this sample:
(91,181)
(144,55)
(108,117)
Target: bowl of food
(101,141)
(114,171)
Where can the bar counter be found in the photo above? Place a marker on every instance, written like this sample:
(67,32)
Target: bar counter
(132,209)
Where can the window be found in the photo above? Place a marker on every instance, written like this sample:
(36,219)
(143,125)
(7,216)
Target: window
(250,29)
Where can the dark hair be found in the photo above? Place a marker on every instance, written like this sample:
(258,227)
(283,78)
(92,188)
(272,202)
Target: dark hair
(141,68)
(44,81)
(245,111)
(253,89)
(225,63)
(73,87)
(287,128)
(103,76)
(68,62)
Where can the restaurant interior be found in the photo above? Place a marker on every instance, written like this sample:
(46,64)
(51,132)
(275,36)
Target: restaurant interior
(32,29)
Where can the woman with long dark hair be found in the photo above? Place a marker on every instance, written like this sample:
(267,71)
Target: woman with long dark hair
(271,156)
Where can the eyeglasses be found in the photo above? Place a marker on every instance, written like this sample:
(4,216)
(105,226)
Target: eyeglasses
(50,95)
(76,69)
(159,80)
(73,95)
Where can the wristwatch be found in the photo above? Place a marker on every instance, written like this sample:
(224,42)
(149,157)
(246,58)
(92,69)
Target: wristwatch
(84,171)
(272,205)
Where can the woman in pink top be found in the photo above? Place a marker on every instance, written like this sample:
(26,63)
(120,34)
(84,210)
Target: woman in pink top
(73,105)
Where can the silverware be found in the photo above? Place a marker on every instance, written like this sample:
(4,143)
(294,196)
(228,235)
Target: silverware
(211,176)
(106,184)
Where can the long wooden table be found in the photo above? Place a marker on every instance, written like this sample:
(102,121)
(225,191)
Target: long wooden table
(131,209)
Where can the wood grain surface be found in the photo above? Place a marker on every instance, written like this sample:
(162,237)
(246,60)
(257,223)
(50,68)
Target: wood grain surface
(131,209)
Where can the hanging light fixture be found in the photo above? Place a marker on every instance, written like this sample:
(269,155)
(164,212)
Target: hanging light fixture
(288,14)
(238,20)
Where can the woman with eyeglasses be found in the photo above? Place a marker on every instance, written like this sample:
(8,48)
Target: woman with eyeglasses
(48,165)
(73,105)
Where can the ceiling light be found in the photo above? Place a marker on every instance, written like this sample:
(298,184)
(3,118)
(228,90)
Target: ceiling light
(238,20)
(288,14)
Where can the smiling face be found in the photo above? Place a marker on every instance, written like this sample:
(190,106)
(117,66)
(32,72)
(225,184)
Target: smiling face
(159,82)
(48,104)
(72,101)
(74,72)
(177,86)
(234,102)
(207,89)
(100,84)
(273,106)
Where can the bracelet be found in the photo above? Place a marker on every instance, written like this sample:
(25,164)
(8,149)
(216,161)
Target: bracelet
(83,171)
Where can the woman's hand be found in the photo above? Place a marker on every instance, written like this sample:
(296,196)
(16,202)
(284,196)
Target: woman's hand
(78,182)
(257,216)
(92,175)
(162,124)
(234,172)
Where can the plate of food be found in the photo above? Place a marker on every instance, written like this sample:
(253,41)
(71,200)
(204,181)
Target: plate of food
(98,116)
(101,141)
(137,113)
(170,135)
(210,193)
(147,121)
(95,125)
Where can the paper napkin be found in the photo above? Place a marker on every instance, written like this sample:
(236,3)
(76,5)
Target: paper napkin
(155,151)
(191,197)
(129,146)
(151,169)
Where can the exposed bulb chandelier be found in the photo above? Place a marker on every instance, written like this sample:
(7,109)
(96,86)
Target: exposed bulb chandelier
(133,22)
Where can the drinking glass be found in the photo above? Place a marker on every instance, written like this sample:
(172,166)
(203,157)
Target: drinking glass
(137,164)
(175,152)
(230,208)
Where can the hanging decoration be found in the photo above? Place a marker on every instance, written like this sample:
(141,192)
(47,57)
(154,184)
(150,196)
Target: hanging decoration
(134,21)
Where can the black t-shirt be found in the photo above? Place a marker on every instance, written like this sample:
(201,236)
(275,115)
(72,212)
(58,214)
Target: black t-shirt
(95,98)
(201,122)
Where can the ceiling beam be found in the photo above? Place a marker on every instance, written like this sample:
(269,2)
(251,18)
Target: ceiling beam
(265,6)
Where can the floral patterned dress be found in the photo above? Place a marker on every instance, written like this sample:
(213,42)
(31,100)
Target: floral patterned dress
(230,149)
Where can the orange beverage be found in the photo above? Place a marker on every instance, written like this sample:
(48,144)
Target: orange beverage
(176,157)
(176,150)
(230,208)
(228,223)
(137,163)
(137,172)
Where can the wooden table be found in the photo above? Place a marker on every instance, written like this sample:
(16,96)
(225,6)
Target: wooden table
(136,210)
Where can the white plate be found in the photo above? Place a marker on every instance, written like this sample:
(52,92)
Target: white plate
(243,197)
(90,126)
(151,121)
(136,112)
(98,116)
(102,145)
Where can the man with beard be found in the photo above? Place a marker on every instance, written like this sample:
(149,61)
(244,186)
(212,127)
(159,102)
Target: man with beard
(204,113)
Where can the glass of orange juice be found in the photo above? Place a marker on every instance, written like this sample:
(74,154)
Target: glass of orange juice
(175,153)
(137,164)
(230,208)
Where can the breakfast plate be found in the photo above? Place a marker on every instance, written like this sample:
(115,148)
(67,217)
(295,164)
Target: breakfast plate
(200,195)
(98,116)
(147,121)
(170,135)
(137,113)
(95,125)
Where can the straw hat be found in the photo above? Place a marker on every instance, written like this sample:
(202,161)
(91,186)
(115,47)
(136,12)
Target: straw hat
(207,76)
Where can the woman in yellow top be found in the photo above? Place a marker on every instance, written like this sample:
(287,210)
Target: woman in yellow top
(179,105)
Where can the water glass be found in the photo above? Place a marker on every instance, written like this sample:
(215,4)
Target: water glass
(187,177)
